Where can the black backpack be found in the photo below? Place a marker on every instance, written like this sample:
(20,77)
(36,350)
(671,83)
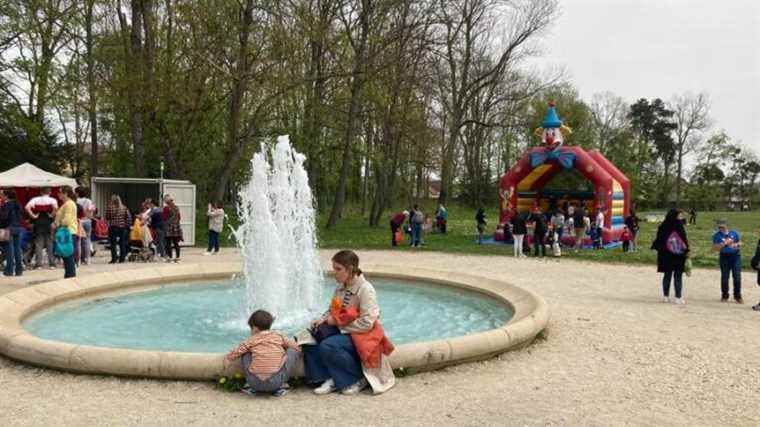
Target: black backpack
(5,213)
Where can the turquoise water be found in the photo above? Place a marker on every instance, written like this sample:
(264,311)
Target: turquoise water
(206,318)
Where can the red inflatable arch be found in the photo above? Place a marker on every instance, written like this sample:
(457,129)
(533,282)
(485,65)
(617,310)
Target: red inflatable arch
(521,187)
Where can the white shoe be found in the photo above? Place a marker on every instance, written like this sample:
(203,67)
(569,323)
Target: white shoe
(327,387)
(680,301)
(355,388)
(665,299)
(206,253)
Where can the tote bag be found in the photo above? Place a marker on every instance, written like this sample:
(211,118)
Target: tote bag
(64,243)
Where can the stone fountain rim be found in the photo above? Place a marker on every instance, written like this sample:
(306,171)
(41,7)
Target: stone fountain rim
(531,316)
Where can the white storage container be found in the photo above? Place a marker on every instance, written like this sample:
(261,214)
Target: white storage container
(133,191)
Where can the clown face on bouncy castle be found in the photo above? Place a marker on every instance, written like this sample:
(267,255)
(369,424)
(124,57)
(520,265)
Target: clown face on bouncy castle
(552,133)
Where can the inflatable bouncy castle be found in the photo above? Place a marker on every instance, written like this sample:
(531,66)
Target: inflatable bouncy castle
(554,176)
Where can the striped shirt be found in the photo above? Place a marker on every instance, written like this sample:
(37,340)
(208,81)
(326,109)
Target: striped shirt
(267,350)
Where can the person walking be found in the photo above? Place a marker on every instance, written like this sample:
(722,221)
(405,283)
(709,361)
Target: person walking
(215,215)
(672,248)
(692,216)
(728,244)
(441,218)
(10,219)
(67,218)
(480,223)
(539,231)
(41,210)
(118,219)
(519,230)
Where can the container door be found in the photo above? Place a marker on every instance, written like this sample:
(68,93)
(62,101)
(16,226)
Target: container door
(184,198)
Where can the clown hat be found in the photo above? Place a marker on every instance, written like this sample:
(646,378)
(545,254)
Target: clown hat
(551,119)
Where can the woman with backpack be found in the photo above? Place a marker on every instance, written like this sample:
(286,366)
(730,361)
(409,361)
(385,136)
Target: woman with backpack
(672,248)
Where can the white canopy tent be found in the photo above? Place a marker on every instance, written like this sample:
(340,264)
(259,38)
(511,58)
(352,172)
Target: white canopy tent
(28,175)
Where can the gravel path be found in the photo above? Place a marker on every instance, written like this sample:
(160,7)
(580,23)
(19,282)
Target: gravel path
(613,354)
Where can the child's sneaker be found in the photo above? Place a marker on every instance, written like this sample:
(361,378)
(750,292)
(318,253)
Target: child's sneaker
(248,392)
(666,299)
(280,392)
(756,307)
(680,301)
(207,253)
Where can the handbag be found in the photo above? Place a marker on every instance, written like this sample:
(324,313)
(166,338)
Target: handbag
(64,244)
(323,331)
(5,234)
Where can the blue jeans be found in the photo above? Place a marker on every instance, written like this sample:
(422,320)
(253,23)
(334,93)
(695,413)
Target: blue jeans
(85,244)
(677,282)
(13,254)
(69,266)
(416,234)
(730,265)
(277,380)
(336,358)
(213,241)
(117,238)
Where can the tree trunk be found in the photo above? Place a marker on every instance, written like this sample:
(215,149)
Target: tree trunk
(92,106)
(357,86)
(135,115)
(239,88)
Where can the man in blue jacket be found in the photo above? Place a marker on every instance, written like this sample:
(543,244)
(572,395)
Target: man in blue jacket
(728,244)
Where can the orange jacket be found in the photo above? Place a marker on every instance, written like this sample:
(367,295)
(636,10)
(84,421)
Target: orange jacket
(369,345)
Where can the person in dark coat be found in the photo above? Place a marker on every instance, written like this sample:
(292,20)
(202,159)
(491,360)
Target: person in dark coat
(756,265)
(672,248)
(480,222)
(10,220)
(539,231)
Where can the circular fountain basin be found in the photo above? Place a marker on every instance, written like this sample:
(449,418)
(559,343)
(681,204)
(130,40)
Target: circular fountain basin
(469,318)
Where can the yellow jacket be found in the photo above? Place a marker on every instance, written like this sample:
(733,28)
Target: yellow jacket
(67,217)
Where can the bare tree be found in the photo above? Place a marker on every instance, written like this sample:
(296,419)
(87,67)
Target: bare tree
(358,78)
(691,118)
(467,30)
(610,113)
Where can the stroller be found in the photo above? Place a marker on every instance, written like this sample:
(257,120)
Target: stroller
(141,247)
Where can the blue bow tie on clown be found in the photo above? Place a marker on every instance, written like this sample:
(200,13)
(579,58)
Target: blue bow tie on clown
(552,133)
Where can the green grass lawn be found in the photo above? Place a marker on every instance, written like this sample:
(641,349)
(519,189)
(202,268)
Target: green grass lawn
(352,232)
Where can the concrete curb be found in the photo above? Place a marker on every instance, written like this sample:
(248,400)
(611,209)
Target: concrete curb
(531,315)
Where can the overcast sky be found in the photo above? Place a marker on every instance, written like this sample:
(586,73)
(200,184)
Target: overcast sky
(657,48)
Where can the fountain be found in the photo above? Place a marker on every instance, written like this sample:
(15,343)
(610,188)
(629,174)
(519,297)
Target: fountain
(175,321)
(277,237)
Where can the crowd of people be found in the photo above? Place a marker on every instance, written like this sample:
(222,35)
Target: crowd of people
(52,231)
(58,229)
(561,227)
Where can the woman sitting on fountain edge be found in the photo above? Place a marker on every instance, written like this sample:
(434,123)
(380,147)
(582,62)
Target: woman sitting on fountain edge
(356,354)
